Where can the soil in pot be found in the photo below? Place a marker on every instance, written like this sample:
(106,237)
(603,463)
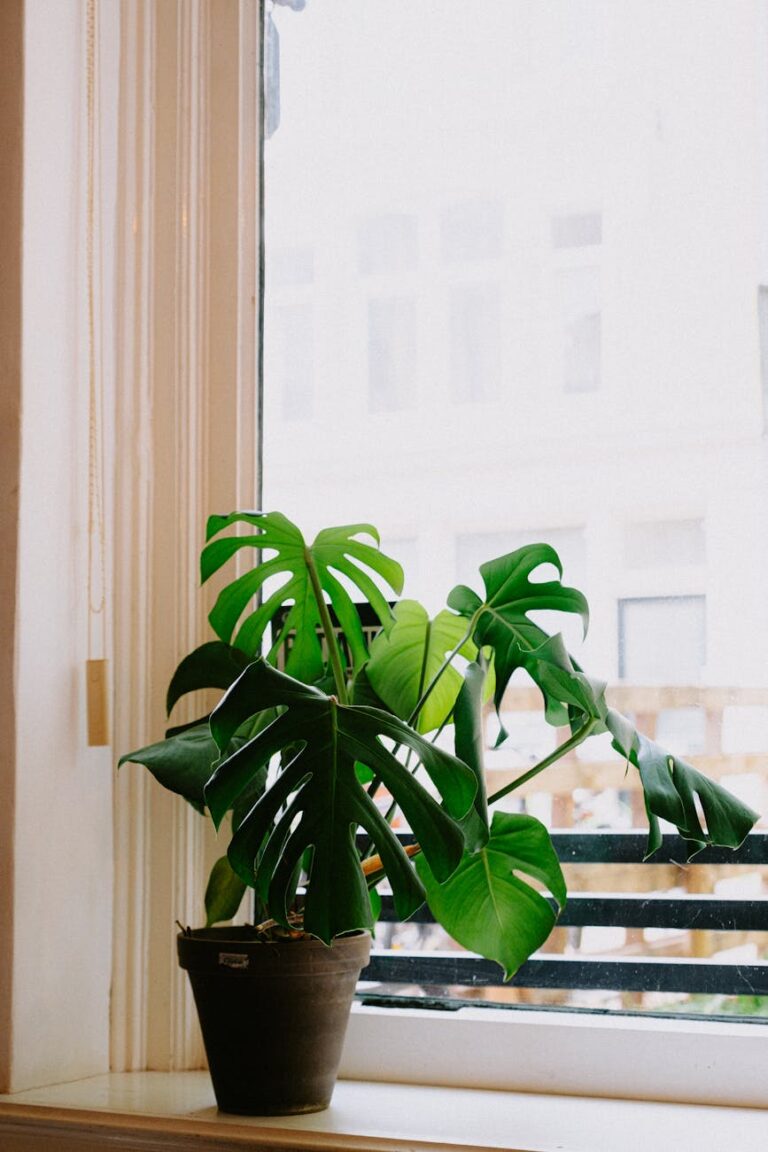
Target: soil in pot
(273,1014)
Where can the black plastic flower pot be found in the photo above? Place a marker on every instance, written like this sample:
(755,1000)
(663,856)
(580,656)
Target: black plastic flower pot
(273,1015)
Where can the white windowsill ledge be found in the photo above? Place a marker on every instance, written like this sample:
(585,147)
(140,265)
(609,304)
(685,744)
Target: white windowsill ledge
(150,1111)
(678,1061)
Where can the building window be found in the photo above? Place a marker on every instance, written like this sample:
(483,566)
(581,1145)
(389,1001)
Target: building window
(475,341)
(581,230)
(662,639)
(391,353)
(578,297)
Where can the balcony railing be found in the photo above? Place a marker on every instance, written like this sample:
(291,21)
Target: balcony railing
(690,912)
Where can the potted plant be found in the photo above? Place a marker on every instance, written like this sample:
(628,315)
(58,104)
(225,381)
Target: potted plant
(321,736)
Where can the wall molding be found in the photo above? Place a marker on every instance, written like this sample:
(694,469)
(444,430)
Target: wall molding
(185,447)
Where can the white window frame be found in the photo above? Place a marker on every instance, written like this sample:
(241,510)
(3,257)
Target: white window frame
(567,1053)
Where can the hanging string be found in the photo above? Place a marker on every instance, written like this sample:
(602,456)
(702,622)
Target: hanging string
(96,664)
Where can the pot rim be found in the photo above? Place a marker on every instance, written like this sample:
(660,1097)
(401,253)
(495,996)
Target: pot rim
(235,951)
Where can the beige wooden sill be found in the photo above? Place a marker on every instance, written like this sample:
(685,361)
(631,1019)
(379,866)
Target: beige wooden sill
(150,1111)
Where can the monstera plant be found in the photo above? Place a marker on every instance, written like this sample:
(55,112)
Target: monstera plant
(328,728)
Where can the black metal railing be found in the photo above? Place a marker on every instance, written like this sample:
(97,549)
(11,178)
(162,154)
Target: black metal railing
(621,973)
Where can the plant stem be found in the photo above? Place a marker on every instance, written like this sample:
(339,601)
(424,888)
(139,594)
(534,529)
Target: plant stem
(334,654)
(572,742)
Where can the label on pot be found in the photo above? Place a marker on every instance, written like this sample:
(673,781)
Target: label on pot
(234,959)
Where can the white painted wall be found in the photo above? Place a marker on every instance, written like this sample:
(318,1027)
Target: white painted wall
(63,833)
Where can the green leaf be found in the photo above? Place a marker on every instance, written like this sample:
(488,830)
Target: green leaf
(375,900)
(469,745)
(501,620)
(212,665)
(672,788)
(487,906)
(406,659)
(182,763)
(253,791)
(299,569)
(570,696)
(224,893)
(318,802)
(362,691)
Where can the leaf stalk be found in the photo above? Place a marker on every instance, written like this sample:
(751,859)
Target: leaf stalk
(334,652)
(563,749)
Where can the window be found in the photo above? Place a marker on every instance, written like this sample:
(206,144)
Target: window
(578,294)
(662,640)
(576,241)
(392,353)
(475,325)
(524,238)
(577,231)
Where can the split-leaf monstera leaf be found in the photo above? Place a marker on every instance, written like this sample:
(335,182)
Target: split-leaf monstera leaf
(183,762)
(501,623)
(488,905)
(501,620)
(301,573)
(671,788)
(317,802)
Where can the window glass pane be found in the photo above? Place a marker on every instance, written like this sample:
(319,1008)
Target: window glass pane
(579,304)
(539,234)
(662,641)
(391,353)
(475,326)
(579,231)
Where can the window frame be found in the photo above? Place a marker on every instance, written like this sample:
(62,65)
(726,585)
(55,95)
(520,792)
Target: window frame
(517,1050)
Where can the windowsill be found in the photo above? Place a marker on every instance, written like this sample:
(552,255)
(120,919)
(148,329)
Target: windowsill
(152,1110)
(677,1061)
